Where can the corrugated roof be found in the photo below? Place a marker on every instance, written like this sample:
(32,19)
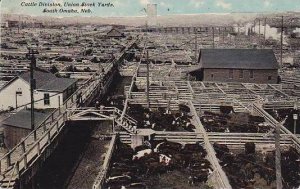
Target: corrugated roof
(22,118)
(238,59)
(48,81)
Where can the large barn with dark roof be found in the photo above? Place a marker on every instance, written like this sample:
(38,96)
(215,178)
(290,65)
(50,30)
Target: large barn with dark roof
(239,65)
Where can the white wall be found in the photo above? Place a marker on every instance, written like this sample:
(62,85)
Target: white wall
(8,94)
(54,99)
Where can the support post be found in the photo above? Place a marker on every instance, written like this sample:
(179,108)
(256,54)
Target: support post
(147,62)
(23,146)
(31,54)
(295,126)
(16,100)
(278,157)
(259,41)
(25,161)
(196,47)
(224,35)
(8,160)
(295,117)
(265,29)
(213,32)
(59,104)
(281,42)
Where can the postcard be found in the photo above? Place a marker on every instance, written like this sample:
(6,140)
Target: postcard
(149,94)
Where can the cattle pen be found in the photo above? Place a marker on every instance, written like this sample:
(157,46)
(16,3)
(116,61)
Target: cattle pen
(147,123)
(168,94)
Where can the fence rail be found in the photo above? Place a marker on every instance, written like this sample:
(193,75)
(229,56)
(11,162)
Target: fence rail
(99,181)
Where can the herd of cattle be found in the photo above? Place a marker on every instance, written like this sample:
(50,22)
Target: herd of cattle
(251,169)
(162,119)
(143,166)
(234,123)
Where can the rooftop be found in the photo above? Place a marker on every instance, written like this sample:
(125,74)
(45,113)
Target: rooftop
(22,118)
(238,59)
(48,81)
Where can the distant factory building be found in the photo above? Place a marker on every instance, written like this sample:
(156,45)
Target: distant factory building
(50,91)
(238,65)
(115,33)
(151,14)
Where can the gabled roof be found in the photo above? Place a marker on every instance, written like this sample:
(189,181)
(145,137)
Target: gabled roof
(238,59)
(48,81)
(115,33)
(22,118)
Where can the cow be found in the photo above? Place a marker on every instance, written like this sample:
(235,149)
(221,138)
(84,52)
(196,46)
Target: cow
(141,153)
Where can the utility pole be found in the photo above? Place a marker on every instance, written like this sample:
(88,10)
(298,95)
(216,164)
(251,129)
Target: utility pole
(224,34)
(31,53)
(265,29)
(19,24)
(196,47)
(281,43)
(278,157)
(259,37)
(295,117)
(213,32)
(147,62)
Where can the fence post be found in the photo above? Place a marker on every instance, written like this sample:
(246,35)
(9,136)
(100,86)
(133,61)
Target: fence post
(8,160)
(17,169)
(49,137)
(57,128)
(23,146)
(44,127)
(34,134)
(25,161)
(52,117)
(38,148)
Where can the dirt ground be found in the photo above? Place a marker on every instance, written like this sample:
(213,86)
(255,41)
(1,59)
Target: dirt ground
(174,180)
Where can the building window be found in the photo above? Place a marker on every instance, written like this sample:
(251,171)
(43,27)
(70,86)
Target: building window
(230,73)
(269,78)
(251,74)
(46,99)
(212,76)
(241,75)
(19,92)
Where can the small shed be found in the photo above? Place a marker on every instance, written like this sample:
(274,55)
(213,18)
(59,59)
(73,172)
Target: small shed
(18,125)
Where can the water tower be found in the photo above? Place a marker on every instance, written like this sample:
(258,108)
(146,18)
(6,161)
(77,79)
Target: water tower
(152,14)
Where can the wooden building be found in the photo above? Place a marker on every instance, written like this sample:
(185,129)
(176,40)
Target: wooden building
(238,65)
(50,91)
(115,33)
(18,125)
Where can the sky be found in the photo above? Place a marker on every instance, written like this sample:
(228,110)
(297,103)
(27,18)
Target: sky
(164,7)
